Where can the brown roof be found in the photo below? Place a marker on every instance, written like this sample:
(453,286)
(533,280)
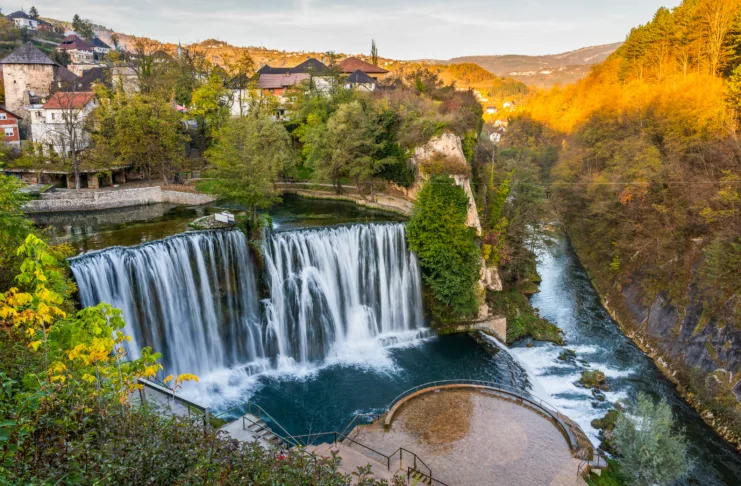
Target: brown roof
(74,43)
(28,54)
(276,81)
(352,64)
(66,100)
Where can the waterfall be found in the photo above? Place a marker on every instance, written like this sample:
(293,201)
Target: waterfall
(191,297)
(333,293)
(337,290)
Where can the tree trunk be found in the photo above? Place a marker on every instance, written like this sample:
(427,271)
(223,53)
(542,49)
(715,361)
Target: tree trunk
(76,165)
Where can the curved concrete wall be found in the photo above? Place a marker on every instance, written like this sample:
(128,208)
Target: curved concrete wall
(121,198)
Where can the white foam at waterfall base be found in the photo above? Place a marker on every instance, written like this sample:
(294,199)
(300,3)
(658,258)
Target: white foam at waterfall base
(561,390)
(225,387)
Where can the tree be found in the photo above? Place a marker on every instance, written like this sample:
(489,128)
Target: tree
(139,129)
(374,53)
(14,227)
(33,13)
(115,39)
(209,108)
(249,155)
(347,146)
(651,450)
(83,27)
(446,247)
(716,18)
(61,57)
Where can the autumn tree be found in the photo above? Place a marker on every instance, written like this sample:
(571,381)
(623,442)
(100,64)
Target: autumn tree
(248,156)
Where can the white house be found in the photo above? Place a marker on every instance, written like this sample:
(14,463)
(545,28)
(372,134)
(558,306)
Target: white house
(58,125)
(23,21)
(99,47)
(80,52)
(491,110)
(360,81)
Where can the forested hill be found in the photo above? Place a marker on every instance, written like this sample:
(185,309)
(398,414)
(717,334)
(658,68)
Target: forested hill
(648,180)
(543,71)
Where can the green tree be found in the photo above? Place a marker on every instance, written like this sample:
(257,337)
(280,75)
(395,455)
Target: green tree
(249,155)
(83,27)
(33,13)
(651,450)
(209,108)
(347,145)
(14,227)
(374,53)
(139,129)
(446,248)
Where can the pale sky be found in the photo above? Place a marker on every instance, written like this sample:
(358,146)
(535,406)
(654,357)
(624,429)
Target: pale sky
(403,29)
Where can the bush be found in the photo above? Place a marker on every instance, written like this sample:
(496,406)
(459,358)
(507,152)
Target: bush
(651,450)
(446,248)
(441,164)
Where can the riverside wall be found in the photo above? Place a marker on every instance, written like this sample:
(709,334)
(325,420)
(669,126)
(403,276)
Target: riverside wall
(67,201)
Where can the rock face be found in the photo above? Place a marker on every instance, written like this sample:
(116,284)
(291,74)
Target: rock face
(684,338)
(449,146)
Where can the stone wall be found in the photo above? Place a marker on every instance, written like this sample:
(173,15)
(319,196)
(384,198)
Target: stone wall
(26,77)
(97,200)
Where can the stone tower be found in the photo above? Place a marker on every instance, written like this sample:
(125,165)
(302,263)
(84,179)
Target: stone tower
(30,76)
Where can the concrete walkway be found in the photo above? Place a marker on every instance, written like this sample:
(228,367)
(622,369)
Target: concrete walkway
(470,438)
(351,460)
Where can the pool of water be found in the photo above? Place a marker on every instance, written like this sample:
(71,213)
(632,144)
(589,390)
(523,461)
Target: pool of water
(95,230)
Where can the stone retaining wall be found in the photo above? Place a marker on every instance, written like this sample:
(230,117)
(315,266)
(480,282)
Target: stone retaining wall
(121,198)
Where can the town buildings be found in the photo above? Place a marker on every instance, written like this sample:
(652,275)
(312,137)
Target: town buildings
(58,124)
(30,77)
(24,21)
(80,52)
(10,129)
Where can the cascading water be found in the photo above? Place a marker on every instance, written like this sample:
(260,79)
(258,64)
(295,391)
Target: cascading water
(191,297)
(338,293)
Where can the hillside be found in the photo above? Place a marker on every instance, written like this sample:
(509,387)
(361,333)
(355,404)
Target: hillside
(647,182)
(543,71)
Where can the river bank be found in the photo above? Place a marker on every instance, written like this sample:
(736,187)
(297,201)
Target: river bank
(568,298)
(621,315)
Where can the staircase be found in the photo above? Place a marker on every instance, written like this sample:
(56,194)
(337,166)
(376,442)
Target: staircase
(262,431)
(351,459)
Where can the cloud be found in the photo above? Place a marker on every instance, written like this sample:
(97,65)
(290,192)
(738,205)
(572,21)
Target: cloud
(403,29)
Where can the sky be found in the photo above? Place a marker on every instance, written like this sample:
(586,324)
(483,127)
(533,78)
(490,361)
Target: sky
(408,29)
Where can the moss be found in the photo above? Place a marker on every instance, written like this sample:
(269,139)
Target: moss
(567,354)
(522,319)
(612,476)
(594,379)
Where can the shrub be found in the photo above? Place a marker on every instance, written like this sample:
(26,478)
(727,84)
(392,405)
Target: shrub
(446,248)
(441,164)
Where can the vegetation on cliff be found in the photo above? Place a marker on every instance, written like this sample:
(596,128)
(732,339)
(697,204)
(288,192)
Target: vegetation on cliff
(641,160)
(446,248)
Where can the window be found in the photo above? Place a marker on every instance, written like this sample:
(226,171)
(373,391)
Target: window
(9,132)
(3,116)
(53,116)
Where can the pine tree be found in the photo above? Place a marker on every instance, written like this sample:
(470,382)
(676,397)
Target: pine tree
(374,53)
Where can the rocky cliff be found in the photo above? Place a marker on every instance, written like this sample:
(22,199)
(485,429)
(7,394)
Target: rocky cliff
(448,146)
(697,349)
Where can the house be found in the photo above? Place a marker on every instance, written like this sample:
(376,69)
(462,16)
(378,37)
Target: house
(30,77)
(351,64)
(126,78)
(44,25)
(501,123)
(58,125)
(9,125)
(491,110)
(24,21)
(99,47)
(276,84)
(80,52)
(360,81)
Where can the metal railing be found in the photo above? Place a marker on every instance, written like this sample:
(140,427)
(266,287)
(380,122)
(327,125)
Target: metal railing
(498,387)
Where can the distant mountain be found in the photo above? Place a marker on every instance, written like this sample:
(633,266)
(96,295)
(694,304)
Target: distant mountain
(543,71)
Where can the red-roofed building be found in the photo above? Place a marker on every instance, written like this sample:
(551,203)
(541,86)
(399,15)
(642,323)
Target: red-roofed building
(58,125)
(9,126)
(352,64)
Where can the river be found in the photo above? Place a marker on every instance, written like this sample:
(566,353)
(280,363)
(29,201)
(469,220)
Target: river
(347,355)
